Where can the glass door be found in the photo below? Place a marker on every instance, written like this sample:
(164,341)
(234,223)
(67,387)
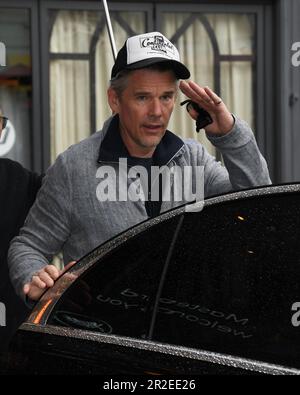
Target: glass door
(80,61)
(220,49)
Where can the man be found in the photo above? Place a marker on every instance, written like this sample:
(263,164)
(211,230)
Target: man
(78,208)
(18,189)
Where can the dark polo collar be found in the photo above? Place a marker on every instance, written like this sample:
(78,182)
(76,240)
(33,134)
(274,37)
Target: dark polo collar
(112,147)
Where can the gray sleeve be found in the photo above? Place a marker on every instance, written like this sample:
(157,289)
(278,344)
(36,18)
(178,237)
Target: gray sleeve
(245,167)
(46,228)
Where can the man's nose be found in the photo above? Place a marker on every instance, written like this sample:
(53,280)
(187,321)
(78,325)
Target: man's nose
(155,108)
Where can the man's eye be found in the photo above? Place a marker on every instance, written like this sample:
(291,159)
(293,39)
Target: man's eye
(141,98)
(166,98)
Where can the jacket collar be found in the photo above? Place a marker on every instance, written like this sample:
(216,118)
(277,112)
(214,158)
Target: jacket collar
(112,147)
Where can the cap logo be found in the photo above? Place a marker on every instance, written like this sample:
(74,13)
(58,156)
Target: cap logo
(151,45)
(157,43)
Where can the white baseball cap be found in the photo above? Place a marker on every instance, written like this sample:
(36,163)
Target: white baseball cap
(146,49)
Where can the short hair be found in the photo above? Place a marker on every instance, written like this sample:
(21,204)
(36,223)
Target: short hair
(119,83)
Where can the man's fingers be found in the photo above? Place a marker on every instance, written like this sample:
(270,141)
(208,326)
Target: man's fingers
(52,271)
(196,94)
(46,278)
(26,288)
(43,279)
(67,267)
(197,90)
(37,281)
(215,98)
(188,90)
(204,96)
(32,291)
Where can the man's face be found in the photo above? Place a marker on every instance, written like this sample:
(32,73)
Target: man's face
(144,108)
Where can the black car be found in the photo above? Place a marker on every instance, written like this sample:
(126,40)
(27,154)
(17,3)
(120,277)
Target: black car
(197,290)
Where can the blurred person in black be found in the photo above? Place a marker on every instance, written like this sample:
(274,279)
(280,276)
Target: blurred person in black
(18,189)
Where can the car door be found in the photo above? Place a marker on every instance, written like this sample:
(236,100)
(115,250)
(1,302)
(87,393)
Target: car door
(188,292)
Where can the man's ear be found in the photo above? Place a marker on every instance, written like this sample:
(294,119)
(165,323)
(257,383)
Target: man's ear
(113,100)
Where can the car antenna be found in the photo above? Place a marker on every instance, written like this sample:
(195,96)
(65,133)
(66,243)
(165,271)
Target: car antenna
(110,30)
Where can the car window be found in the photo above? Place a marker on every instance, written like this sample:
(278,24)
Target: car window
(116,295)
(233,278)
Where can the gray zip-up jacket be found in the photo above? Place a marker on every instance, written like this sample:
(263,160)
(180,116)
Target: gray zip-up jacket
(68,215)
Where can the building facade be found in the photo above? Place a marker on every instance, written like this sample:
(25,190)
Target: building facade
(58,61)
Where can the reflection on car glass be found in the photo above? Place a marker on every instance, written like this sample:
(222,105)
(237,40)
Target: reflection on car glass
(122,285)
(234,277)
(67,318)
